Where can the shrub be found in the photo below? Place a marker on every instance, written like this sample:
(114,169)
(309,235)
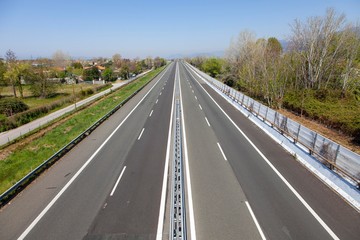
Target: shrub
(10,106)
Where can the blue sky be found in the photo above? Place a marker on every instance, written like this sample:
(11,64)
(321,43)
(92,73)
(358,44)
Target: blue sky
(38,28)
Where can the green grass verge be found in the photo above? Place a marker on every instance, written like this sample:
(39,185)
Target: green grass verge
(23,160)
(327,108)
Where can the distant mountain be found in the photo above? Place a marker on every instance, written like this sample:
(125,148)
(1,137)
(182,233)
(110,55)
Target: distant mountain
(284,44)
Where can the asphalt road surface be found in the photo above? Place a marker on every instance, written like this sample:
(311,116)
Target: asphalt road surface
(239,183)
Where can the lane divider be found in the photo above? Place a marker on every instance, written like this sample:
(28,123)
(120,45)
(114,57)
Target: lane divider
(142,131)
(255,220)
(222,152)
(117,182)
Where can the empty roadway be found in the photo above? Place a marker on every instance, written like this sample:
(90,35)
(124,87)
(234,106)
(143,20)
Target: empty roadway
(237,192)
(72,215)
(278,210)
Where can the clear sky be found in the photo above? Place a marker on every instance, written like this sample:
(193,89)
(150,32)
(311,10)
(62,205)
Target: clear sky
(38,28)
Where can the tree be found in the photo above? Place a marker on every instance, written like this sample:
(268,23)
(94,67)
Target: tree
(318,44)
(14,74)
(117,60)
(77,65)
(11,61)
(124,71)
(41,84)
(213,66)
(273,47)
(107,75)
(91,74)
(2,73)
(60,59)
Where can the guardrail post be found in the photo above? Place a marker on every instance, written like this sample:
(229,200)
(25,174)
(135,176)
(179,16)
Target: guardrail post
(313,145)
(297,135)
(336,155)
(265,118)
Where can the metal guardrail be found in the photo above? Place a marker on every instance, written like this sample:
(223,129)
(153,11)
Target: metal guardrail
(333,155)
(21,184)
(177,209)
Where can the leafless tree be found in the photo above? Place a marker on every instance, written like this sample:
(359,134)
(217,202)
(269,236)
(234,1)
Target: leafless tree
(318,42)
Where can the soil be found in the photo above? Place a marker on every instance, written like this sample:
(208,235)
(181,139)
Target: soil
(332,134)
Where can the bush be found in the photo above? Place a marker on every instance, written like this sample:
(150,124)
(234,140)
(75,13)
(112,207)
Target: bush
(10,106)
(87,92)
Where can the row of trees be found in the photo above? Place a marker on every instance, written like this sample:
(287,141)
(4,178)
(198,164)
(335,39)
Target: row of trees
(322,54)
(43,74)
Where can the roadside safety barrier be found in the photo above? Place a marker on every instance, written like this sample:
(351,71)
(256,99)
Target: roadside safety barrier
(335,156)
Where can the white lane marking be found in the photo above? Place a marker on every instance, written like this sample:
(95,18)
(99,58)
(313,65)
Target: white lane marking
(141,133)
(193,91)
(255,220)
(196,97)
(207,121)
(160,93)
(117,182)
(151,113)
(187,167)
(222,152)
(156,101)
(292,189)
(200,107)
(46,209)
(165,178)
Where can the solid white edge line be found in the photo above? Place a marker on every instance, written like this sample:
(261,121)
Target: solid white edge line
(159,233)
(151,113)
(141,133)
(188,180)
(117,182)
(302,200)
(200,107)
(222,152)
(44,211)
(255,220)
(207,121)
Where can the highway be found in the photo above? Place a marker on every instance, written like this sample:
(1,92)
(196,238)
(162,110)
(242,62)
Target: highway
(239,183)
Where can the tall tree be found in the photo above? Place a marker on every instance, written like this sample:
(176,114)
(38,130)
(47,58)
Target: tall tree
(60,59)
(10,58)
(313,42)
(117,60)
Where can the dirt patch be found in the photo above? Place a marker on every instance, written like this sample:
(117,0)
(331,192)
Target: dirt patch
(332,134)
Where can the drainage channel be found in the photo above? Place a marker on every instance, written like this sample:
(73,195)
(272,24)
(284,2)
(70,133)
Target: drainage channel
(177,210)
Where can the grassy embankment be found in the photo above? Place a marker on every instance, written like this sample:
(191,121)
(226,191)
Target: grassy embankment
(22,161)
(327,108)
(39,107)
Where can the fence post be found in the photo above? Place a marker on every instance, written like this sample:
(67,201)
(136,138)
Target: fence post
(265,118)
(313,145)
(259,109)
(336,155)
(297,135)
(242,101)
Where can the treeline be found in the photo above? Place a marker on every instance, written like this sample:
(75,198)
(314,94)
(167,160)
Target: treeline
(44,75)
(43,78)
(317,74)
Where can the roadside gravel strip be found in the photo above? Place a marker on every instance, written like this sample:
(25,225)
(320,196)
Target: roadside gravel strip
(13,134)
